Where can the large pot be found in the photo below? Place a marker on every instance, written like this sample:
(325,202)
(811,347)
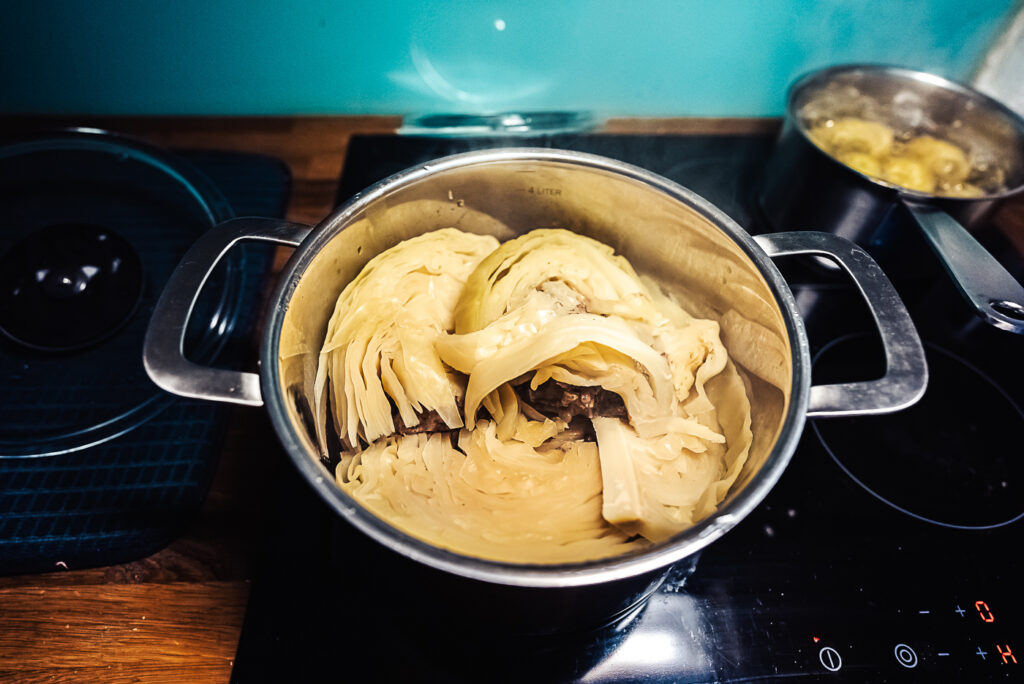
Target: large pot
(805,188)
(691,247)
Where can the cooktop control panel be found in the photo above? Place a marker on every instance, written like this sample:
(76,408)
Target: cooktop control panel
(681,640)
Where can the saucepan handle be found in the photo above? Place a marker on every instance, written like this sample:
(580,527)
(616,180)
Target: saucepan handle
(989,288)
(163,349)
(906,376)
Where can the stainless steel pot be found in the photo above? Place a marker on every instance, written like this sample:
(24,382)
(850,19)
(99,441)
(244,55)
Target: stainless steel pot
(711,264)
(805,188)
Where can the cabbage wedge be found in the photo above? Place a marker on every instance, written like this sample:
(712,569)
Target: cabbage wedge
(379,346)
(487,497)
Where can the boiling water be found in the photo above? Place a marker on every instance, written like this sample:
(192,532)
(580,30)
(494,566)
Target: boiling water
(910,124)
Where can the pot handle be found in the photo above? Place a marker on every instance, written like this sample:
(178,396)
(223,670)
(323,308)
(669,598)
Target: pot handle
(163,349)
(906,376)
(994,294)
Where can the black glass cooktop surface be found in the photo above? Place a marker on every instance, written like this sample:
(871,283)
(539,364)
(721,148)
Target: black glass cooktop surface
(887,552)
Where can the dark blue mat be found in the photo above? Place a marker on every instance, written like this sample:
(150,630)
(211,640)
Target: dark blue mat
(134,493)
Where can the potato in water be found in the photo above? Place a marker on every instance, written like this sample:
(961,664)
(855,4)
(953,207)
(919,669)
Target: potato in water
(945,160)
(854,135)
(909,173)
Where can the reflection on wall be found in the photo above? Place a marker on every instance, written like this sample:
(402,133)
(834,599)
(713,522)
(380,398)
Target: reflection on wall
(654,57)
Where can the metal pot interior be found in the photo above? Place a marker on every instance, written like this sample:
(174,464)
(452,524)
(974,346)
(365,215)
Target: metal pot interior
(914,102)
(695,252)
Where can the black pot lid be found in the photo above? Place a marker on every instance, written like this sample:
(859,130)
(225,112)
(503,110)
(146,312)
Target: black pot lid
(91,227)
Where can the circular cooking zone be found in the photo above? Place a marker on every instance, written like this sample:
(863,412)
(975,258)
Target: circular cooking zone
(951,460)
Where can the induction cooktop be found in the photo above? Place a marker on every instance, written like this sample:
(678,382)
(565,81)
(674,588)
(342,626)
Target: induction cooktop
(887,552)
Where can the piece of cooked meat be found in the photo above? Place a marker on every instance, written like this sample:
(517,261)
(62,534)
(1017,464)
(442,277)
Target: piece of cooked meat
(430,421)
(560,400)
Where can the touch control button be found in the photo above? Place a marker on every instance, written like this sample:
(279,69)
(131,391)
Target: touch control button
(830,658)
(905,656)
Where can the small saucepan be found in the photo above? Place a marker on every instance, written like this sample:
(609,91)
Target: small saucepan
(878,154)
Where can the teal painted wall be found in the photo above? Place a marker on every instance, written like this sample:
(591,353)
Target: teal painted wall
(653,57)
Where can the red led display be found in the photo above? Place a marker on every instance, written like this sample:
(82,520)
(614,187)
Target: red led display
(1008,657)
(984,612)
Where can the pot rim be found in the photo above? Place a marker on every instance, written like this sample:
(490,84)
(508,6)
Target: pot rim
(655,558)
(826,74)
